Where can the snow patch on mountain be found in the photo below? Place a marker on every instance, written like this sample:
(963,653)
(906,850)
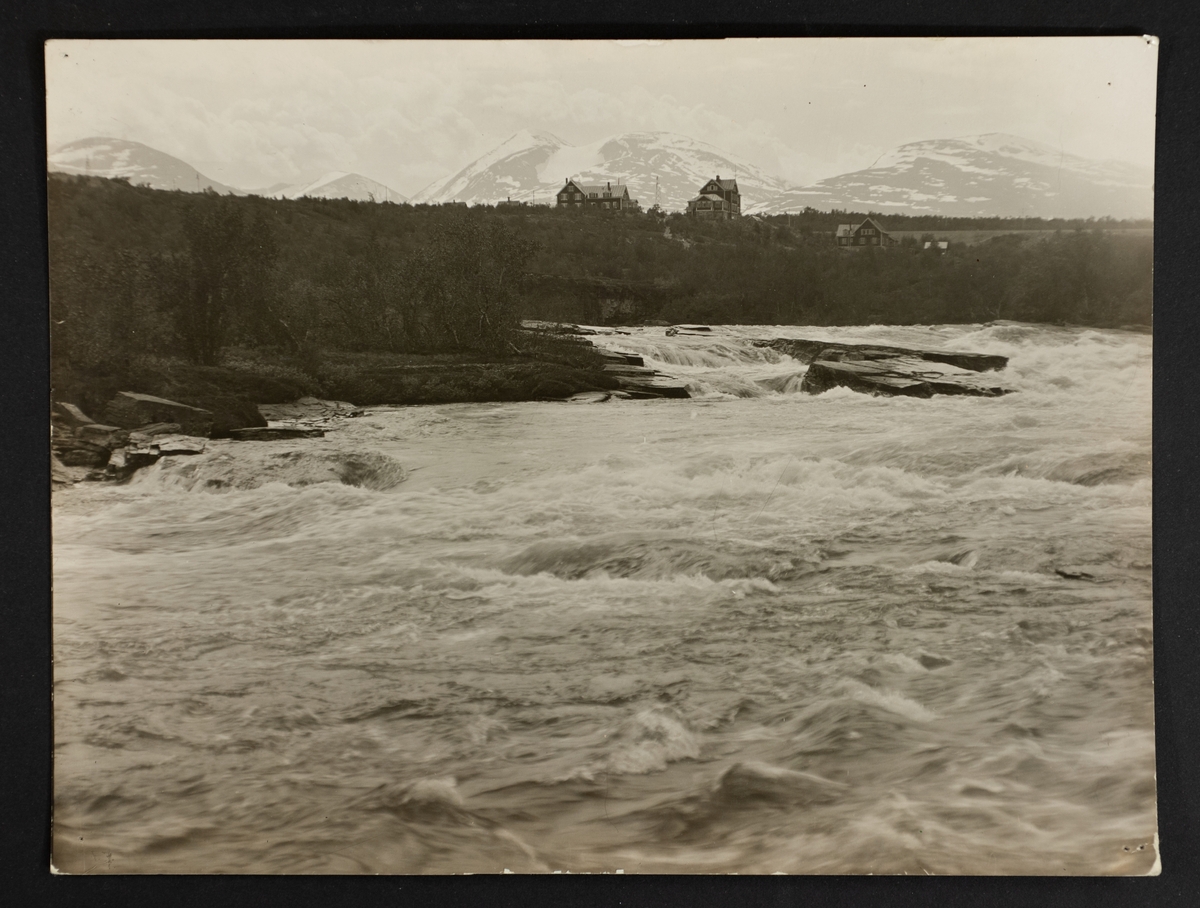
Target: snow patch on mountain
(570,159)
(533,166)
(991,175)
(103,156)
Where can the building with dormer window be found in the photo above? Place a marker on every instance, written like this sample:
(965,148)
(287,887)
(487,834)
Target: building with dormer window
(605,196)
(718,199)
(868,233)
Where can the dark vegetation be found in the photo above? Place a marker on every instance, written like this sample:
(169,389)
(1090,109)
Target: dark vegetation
(198,296)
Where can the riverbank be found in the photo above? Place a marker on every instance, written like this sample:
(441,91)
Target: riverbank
(543,367)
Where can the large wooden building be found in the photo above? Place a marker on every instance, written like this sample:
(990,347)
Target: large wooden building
(868,233)
(605,196)
(717,199)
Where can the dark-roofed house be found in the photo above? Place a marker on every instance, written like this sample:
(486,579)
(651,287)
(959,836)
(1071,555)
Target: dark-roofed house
(868,233)
(595,195)
(717,199)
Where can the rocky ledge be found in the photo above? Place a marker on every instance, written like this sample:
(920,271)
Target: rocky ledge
(82,448)
(893,371)
(637,380)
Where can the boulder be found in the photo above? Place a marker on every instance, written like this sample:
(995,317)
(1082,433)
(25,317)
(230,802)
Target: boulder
(231,413)
(275,433)
(110,437)
(143,452)
(144,434)
(129,410)
(71,415)
(118,466)
(79,452)
(61,475)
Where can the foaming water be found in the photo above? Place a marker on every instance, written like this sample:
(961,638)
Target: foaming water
(754,632)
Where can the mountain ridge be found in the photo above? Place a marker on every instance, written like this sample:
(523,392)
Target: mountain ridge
(985,175)
(531,166)
(336,184)
(105,156)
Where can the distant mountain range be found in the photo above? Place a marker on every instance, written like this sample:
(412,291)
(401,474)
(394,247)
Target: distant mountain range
(146,166)
(992,175)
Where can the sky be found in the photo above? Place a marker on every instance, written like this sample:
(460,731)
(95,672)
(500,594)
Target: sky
(407,113)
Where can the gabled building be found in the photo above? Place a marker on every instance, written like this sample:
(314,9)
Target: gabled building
(717,199)
(868,233)
(605,196)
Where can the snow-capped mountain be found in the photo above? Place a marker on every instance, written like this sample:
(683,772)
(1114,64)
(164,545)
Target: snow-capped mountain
(140,164)
(992,175)
(531,166)
(335,185)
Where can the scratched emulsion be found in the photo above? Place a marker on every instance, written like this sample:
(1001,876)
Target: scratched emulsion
(753,631)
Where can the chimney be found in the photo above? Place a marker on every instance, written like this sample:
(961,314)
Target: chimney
(609,185)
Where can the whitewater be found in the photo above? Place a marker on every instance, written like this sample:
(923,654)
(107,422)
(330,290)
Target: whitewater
(755,631)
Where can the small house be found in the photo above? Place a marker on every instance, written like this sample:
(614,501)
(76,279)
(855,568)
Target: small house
(717,199)
(605,196)
(868,233)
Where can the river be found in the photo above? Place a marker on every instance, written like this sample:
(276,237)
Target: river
(754,631)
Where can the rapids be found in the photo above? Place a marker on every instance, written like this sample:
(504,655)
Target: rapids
(753,631)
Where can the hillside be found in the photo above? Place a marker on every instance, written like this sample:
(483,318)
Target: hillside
(336,185)
(346,275)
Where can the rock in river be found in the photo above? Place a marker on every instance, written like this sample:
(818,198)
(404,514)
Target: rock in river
(130,410)
(905,376)
(275,433)
(881,369)
(808,351)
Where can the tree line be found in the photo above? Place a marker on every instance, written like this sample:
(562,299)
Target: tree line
(138,271)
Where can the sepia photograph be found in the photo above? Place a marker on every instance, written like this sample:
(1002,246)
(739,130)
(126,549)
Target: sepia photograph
(707,456)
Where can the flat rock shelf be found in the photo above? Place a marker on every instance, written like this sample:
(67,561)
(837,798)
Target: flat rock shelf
(893,371)
(637,379)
